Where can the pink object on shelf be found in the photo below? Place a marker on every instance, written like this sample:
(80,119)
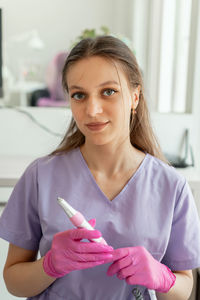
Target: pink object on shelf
(51,102)
(54,83)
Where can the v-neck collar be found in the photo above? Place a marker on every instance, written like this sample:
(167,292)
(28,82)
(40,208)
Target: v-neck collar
(135,174)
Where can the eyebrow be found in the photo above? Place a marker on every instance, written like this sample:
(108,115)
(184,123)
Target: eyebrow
(102,84)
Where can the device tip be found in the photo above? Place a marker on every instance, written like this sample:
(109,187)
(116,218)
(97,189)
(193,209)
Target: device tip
(59,199)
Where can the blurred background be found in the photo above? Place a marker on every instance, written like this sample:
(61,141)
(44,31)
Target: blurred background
(37,35)
(35,38)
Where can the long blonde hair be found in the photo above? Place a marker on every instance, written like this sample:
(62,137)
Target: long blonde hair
(141,133)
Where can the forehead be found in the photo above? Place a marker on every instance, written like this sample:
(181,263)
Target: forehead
(95,70)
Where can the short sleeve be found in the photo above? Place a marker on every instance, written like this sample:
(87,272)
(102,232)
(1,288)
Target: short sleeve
(183,251)
(19,223)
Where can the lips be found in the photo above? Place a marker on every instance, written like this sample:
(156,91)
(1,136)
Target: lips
(96,126)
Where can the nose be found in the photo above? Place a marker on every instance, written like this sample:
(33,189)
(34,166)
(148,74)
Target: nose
(93,107)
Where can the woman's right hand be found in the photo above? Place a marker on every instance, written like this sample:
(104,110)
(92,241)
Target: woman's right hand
(69,253)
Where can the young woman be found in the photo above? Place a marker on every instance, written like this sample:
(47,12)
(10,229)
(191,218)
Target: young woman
(109,167)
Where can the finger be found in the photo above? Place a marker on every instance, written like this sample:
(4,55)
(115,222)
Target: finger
(71,265)
(92,222)
(88,257)
(120,253)
(83,233)
(139,279)
(108,260)
(119,265)
(90,247)
(128,271)
(120,277)
(87,265)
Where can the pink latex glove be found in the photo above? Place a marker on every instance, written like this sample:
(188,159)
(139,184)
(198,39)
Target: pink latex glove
(138,267)
(68,253)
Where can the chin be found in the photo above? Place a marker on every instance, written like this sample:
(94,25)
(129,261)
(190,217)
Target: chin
(99,141)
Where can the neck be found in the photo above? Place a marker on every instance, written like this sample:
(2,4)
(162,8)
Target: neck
(109,160)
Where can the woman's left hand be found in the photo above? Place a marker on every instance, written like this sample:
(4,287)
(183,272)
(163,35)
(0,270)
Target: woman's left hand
(138,267)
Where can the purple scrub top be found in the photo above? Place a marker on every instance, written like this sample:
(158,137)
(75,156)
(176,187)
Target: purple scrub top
(155,209)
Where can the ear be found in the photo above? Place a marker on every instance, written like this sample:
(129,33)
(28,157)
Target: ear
(135,97)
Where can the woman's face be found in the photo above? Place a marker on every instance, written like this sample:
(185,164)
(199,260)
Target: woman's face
(100,100)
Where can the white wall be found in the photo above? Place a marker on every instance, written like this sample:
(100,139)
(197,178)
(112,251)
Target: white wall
(58,23)
(19,135)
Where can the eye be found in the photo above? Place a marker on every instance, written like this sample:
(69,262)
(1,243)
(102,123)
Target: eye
(78,96)
(109,92)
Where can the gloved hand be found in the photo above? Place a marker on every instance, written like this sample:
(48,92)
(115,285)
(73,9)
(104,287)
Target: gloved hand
(68,253)
(138,267)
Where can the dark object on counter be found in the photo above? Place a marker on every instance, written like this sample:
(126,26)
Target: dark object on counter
(36,95)
(177,161)
(53,95)
(198,284)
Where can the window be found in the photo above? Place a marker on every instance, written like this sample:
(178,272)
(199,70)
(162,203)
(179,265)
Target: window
(166,51)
